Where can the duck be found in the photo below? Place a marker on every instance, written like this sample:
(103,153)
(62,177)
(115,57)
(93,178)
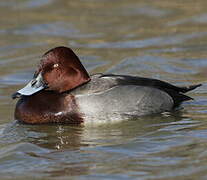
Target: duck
(62,91)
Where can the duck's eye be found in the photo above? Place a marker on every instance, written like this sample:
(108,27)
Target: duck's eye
(55,65)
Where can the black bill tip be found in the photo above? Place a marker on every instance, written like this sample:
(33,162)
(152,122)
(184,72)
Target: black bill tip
(16,95)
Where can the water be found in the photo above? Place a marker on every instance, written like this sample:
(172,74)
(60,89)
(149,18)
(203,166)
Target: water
(159,39)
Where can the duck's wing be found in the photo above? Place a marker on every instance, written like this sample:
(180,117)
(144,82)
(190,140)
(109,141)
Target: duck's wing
(174,91)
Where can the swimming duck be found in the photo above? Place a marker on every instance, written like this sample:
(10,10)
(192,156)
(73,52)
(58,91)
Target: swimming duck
(62,91)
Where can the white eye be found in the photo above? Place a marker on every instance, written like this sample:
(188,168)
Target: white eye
(55,65)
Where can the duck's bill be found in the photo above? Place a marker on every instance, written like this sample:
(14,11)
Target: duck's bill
(35,85)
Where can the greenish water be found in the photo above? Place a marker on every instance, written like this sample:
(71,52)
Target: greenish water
(160,39)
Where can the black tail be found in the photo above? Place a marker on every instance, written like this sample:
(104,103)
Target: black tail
(189,88)
(178,96)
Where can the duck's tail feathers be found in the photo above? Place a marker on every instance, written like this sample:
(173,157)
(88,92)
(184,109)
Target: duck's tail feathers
(189,88)
(179,96)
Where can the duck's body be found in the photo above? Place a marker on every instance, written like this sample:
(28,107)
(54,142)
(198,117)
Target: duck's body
(96,97)
(121,101)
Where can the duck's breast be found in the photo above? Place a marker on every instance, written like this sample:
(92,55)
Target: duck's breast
(128,100)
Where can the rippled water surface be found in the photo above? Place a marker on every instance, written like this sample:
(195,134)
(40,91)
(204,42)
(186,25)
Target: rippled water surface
(159,39)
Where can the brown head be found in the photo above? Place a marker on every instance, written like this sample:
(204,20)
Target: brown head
(60,70)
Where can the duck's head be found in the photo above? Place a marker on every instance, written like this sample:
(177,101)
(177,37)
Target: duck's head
(59,70)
